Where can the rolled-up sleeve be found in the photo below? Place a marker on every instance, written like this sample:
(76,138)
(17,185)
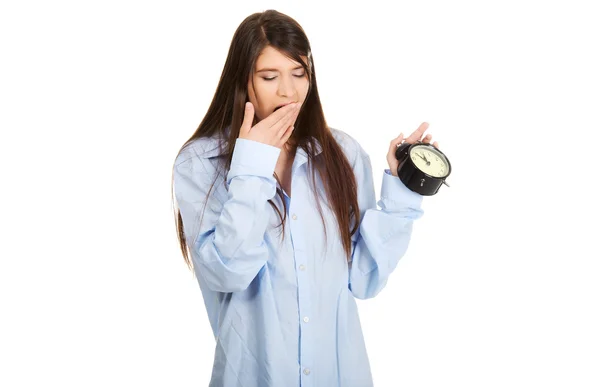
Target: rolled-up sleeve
(384,234)
(225,233)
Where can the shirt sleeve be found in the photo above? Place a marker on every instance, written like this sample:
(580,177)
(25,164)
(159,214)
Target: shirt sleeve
(384,234)
(227,247)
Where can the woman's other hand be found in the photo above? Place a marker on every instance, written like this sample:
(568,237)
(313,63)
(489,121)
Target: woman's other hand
(417,135)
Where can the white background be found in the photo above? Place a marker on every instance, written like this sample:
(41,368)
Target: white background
(500,285)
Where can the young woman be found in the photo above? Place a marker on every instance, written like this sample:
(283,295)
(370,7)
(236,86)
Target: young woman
(278,212)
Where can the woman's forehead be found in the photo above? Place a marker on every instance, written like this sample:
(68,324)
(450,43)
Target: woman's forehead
(271,59)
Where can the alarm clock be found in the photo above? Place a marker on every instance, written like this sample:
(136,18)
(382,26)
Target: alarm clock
(423,168)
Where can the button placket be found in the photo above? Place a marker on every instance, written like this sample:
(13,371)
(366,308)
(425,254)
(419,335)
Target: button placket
(304,301)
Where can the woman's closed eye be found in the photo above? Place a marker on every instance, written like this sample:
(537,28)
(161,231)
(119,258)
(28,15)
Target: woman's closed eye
(270,79)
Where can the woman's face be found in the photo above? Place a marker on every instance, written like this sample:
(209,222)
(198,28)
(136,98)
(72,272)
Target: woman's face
(278,80)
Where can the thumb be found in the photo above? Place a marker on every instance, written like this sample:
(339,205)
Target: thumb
(248,117)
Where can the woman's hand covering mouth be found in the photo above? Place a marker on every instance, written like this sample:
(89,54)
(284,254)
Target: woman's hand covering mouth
(282,105)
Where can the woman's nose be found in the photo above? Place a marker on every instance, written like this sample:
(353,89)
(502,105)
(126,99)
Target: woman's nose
(286,87)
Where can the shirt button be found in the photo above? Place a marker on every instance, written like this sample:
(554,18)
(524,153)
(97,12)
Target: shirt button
(306,371)
(301,267)
(294,217)
(306,319)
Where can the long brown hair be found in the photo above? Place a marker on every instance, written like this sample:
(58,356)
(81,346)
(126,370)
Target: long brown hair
(257,31)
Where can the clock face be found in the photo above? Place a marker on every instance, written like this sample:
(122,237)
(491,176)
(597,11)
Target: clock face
(429,160)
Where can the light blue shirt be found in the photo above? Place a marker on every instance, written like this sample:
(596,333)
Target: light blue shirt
(284,314)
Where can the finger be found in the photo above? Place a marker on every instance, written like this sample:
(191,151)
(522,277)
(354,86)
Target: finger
(248,117)
(280,114)
(394,143)
(283,125)
(427,139)
(287,134)
(435,144)
(417,134)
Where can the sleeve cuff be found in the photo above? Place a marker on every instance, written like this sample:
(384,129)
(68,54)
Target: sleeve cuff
(394,192)
(253,158)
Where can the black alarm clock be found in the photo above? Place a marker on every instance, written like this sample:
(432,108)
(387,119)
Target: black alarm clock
(423,168)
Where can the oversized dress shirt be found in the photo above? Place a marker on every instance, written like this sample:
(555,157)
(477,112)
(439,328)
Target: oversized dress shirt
(284,313)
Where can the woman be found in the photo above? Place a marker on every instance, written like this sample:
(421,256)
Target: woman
(280,292)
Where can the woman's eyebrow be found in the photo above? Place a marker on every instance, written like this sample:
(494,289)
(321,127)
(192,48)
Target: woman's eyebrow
(270,69)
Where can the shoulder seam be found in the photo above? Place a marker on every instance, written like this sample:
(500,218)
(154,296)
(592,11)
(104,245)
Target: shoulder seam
(191,148)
